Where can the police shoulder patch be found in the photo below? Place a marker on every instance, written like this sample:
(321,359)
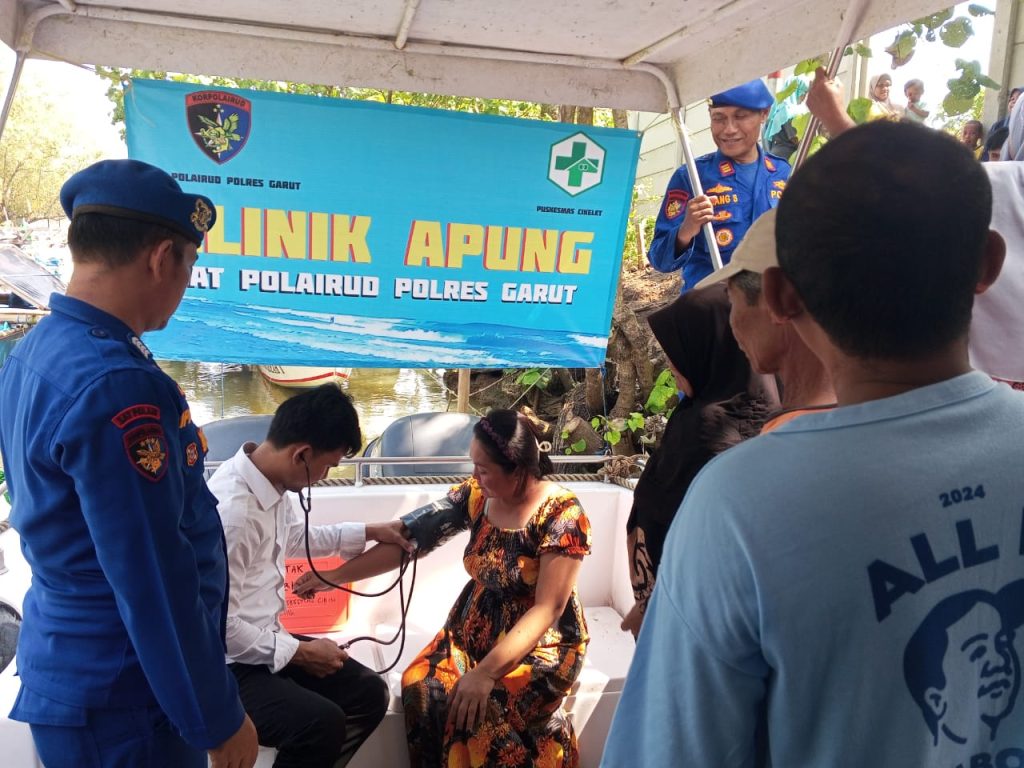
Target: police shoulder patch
(191,454)
(675,202)
(146,446)
(135,413)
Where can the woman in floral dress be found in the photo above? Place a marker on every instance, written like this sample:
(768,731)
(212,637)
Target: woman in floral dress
(488,689)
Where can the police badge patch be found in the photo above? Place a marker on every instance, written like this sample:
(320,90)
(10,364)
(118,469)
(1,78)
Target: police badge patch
(191,454)
(220,123)
(675,203)
(146,447)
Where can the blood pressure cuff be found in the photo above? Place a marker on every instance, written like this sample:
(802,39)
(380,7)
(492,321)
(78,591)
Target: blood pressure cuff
(434,524)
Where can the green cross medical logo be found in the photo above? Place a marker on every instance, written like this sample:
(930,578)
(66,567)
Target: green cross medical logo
(576,164)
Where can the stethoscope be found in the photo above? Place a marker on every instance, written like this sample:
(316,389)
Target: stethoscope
(306,502)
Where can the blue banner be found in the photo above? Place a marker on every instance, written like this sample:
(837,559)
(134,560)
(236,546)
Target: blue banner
(369,235)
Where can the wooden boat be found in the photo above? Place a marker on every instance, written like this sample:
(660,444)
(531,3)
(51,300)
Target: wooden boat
(303,377)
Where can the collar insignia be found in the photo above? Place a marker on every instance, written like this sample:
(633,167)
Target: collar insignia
(142,348)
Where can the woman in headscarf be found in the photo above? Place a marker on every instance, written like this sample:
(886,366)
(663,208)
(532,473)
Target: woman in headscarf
(881,107)
(1013,149)
(725,402)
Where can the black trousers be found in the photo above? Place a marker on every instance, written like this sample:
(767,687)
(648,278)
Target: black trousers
(313,722)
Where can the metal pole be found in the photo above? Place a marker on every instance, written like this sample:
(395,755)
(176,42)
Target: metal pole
(851,20)
(462,396)
(698,188)
(675,110)
(12,89)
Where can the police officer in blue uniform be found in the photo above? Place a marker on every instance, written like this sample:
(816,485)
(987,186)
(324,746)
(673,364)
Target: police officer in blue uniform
(121,654)
(740,181)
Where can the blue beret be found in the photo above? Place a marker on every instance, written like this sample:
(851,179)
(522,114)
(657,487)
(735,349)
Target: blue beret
(132,189)
(752,95)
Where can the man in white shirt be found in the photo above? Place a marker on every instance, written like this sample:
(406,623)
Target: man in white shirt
(306,697)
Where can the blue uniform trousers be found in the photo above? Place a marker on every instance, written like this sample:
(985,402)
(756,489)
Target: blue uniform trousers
(126,737)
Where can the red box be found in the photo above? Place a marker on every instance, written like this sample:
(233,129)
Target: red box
(326,612)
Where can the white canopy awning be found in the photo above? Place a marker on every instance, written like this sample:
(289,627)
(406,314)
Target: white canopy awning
(580,52)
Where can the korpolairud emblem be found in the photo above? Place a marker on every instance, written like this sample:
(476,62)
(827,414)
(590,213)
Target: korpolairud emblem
(146,447)
(724,237)
(220,123)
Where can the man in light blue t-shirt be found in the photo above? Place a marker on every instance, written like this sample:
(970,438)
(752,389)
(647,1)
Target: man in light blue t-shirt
(848,590)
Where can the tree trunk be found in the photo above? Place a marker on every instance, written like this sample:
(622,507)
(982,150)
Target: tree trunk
(619,351)
(585,115)
(625,319)
(566,114)
(620,118)
(580,429)
(563,379)
(594,388)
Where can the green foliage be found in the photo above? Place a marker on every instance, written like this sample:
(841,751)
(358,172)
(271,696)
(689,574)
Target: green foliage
(119,77)
(902,48)
(611,429)
(956,33)
(535,377)
(41,148)
(800,123)
(858,109)
(954,123)
(578,447)
(935,20)
(633,256)
(964,89)
(953,31)
(662,392)
(807,66)
(788,91)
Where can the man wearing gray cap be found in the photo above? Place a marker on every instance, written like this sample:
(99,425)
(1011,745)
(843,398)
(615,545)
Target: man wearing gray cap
(121,655)
(770,342)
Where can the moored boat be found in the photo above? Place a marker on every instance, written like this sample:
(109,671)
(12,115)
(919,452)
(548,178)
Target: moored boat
(302,376)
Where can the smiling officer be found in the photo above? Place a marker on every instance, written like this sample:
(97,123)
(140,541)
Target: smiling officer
(121,655)
(740,181)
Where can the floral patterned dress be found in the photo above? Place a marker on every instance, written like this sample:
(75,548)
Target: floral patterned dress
(524,724)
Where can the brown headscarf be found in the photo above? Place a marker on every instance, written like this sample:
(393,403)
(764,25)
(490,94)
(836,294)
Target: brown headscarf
(730,403)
